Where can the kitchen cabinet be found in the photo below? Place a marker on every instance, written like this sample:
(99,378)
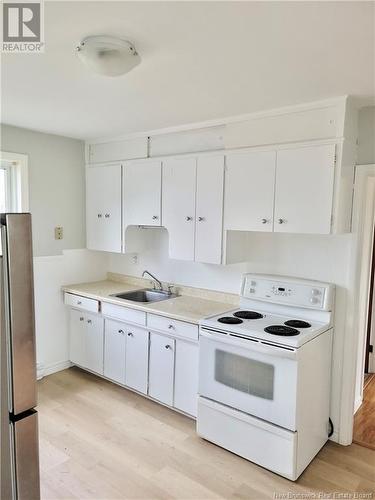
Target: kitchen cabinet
(86,340)
(209,209)
(179,182)
(161,368)
(142,193)
(304,189)
(77,338)
(193,207)
(249,191)
(94,333)
(103,207)
(114,350)
(136,372)
(186,377)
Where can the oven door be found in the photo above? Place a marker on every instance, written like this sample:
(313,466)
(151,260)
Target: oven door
(253,377)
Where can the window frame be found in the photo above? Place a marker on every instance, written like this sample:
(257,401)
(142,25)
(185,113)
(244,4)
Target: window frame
(18,179)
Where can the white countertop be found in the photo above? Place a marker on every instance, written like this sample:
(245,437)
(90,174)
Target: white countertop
(183,307)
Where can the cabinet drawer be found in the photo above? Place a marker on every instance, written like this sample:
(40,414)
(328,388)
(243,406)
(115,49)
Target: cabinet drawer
(172,326)
(81,302)
(124,313)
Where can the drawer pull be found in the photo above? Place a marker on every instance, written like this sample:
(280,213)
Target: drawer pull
(89,321)
(168,346)
(79,303)
(130,334)
(81,318)
(171,327)
(121,331)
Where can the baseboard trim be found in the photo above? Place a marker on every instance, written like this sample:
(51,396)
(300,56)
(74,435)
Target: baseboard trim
(43,371)
(357,404)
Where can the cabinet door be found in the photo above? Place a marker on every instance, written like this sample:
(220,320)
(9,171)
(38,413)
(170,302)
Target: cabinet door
(304,190)
(161,368)
(249,191)
(103,208)
(77,338)
(94,333)
(186,377)
(209,209)
(136,375)
(179,179)
(142,194)
(114,350)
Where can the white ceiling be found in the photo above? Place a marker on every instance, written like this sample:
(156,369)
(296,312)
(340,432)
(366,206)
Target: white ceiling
(200,61)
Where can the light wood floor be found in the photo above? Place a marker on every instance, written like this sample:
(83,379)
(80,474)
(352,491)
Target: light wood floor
(99,441)
(364,420)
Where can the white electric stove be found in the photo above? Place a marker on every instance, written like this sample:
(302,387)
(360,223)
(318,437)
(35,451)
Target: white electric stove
(264,373)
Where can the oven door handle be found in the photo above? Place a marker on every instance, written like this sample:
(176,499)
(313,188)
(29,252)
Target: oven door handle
(261,346)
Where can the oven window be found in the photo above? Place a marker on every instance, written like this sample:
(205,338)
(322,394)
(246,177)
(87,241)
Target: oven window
(244,374)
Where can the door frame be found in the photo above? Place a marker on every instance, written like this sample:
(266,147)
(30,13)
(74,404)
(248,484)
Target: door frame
(363,220)
(368,361)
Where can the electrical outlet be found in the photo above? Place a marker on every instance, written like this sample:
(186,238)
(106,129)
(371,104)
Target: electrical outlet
(59,233)
(135,258)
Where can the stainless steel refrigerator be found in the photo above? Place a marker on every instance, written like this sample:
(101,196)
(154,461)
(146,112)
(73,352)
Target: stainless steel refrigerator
(19,466)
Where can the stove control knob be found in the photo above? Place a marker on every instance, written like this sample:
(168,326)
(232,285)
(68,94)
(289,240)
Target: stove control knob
(253,283)
(314,300)
(315,292)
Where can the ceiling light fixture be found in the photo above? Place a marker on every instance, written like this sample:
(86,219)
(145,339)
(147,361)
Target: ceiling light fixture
(108,55)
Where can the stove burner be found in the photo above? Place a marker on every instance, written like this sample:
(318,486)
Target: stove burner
(229,320)
(248,315)
(286,331)
(297,323)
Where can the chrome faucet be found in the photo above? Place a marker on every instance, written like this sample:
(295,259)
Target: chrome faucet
(158,282)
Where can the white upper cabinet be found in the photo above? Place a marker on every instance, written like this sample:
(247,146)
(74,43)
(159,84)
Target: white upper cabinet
(103,208)
(304,189)
(142,193)
(209,209)
(249,191)
(179,183)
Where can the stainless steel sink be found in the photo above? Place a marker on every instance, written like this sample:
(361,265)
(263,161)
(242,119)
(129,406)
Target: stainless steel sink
(145,295)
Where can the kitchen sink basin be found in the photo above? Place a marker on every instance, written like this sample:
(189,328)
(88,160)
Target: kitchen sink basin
(145,295)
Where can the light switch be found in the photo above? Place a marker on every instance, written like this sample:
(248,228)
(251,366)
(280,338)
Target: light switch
(59,234)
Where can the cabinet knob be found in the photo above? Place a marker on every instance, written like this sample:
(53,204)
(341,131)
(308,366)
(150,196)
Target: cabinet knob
(281,221)
(201,219)
(89,321)
(264,221)
(155,217)
(171,327)
(188,218)
(81,318)
(79,303)
(168,346)
(121,331)
(130,334)
(107,216)
(100,216)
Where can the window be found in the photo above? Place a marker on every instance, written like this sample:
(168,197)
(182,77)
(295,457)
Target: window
(14,192)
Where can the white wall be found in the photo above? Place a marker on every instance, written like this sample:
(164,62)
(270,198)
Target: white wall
(51,315)
(57,186)
(57,198)
(366,133)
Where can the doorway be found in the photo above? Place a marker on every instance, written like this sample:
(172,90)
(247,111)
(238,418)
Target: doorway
(364,419)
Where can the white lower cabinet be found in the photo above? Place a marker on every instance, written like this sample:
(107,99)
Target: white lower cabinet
(136,364)
(186,377)
(114,350)
(77,339)
(86,340)
(162,366)
(162,352)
